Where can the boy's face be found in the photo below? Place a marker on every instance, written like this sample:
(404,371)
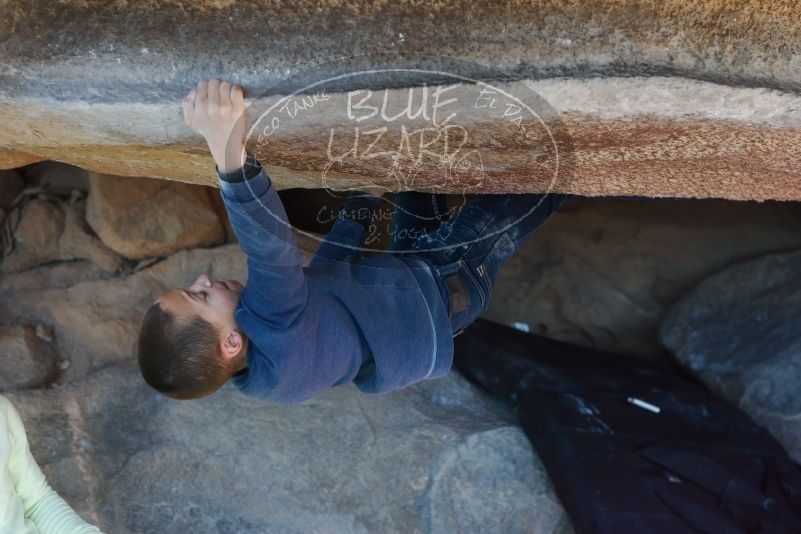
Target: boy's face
(213,300)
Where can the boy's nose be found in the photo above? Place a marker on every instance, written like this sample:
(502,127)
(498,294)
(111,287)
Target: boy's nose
(203,280)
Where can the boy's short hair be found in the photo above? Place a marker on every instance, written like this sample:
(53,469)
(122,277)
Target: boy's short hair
(178,358)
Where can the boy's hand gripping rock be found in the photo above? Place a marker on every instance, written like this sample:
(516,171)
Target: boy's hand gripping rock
(216,110)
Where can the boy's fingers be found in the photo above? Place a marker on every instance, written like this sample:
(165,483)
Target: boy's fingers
(202,94)
(214,96)
(225,92)
(237,97)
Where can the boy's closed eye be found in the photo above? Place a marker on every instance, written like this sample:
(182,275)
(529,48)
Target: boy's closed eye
(194,295)
(215,301)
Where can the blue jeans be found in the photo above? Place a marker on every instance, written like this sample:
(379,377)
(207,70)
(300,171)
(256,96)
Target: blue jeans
(466,251)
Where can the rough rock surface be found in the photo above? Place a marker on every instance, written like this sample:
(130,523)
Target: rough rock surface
(438,458)
(10,159)
(56,275)
(605,273)
(738,332)
(649,137)
(140,218)
(50,231)
(98,85)
(26,359)
(116,44)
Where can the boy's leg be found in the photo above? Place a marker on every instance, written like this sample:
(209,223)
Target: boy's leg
(469,253)
(415,215)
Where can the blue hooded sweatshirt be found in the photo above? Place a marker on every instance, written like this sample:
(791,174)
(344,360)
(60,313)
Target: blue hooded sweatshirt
(379,321)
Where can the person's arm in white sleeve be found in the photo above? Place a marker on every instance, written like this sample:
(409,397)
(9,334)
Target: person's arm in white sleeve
(49,512)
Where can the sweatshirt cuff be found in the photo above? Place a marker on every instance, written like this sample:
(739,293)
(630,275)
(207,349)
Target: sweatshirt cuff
(245,184)
(250,169)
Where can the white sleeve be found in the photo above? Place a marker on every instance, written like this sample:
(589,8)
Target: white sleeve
(49,512)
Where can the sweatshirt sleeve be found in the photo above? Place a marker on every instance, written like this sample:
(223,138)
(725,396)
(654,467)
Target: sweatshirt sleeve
(276,289)
(49,512)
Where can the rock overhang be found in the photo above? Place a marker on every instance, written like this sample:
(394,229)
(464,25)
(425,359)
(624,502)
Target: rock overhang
(657,98)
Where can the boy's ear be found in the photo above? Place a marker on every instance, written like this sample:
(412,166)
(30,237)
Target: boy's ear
(231,344)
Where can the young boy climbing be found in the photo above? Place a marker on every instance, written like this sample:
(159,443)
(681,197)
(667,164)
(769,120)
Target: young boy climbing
(383,322)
